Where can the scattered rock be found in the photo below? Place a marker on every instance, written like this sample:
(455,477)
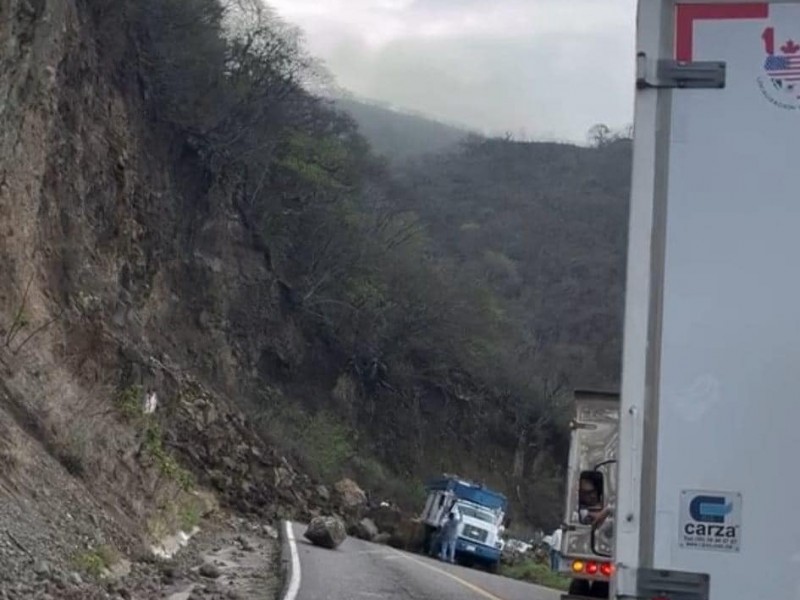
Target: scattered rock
(386,518)
(247,546)
(120,569)
(169,575)
(409,535)
(271,531)
(328,532)
(349,495)
(366,530)
(211,571)
(284,477)
(323,493)
(75,578)
(41,568)
(382,538)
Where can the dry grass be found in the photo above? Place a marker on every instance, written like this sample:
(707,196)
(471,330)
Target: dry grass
(11,453)
(9,458)
(346,390)
(82,429)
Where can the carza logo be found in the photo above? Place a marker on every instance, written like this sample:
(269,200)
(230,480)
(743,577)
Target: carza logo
(710,509)
(713,521)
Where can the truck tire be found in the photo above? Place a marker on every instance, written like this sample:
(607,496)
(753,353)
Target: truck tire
(580,587)
(427,543)
(430,545)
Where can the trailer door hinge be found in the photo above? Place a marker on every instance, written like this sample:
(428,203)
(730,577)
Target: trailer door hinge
(679,74)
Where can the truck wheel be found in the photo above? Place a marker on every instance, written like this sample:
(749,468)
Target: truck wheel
(427,544)
(493,567)
(579,587)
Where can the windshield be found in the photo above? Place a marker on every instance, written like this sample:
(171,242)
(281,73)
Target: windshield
(482,515)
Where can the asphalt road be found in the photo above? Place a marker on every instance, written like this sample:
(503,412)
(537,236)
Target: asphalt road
(358,570)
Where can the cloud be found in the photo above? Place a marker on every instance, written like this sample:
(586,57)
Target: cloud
(550,68)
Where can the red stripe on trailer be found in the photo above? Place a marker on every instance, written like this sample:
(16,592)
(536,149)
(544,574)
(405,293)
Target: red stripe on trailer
(687,14)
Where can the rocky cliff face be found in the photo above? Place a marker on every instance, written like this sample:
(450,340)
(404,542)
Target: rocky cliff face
(124,274)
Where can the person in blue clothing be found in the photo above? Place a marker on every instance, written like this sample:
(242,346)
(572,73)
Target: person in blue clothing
(449,536)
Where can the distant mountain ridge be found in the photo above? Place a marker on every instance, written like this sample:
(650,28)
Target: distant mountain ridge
(401,134)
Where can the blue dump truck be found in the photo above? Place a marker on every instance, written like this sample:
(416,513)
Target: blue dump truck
(482,512)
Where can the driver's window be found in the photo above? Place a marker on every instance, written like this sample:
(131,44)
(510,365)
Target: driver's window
(591,495)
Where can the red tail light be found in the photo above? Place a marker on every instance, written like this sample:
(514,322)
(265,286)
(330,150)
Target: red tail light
(607,569)
(592,568)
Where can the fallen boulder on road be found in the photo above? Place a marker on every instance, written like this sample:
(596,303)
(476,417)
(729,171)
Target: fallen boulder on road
(386,519)
(349,495)
(328,532)
(382,538)
(366,530)
(409,535)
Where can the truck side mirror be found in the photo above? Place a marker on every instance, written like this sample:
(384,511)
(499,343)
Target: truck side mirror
(591,491)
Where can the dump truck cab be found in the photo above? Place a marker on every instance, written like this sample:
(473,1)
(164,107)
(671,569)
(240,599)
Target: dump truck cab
(483,516)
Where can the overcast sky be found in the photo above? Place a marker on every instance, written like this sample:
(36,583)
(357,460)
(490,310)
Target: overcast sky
(546,69)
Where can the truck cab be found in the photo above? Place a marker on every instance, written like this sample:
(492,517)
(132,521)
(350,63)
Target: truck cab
(587,541)
(482,515)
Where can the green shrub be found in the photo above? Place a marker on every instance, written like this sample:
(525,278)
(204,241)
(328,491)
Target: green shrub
(97,560)
(166,463)
(129,402)
(536,572)
(320,441)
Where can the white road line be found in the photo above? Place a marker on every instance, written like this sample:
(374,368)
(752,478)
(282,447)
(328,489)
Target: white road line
(294,582)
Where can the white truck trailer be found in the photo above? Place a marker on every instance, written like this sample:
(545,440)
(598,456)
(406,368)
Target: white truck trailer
(709,423)
(586,548)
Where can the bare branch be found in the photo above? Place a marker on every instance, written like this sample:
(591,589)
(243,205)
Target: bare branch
(18,544)
(19,321)
(38,330)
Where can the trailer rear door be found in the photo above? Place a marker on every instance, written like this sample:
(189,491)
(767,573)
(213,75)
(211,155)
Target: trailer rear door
(711,407)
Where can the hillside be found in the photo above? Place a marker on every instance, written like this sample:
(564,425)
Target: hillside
(212,285)
(400,135)
(546,226)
